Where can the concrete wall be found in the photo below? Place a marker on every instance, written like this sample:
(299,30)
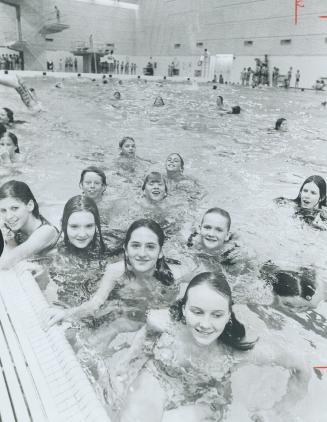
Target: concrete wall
(224,25)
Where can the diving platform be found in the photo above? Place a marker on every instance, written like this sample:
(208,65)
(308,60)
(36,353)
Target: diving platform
(81,48)
(17,45)
(53,28)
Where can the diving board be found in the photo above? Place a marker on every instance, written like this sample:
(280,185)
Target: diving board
(40,377)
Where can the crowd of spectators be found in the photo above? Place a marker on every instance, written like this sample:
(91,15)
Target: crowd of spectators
(11,62)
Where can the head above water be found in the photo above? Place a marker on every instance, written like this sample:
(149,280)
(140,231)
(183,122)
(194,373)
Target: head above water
(155,186)
(143,251)
(206,309)
(312,193)
(117,95)
(158,101)
(78,204)
(127,146)
(175,163)
(21,192)
(8,116)
(281,124)
(14,140)
(214,230)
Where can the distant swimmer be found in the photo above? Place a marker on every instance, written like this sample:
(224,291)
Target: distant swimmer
(158,102)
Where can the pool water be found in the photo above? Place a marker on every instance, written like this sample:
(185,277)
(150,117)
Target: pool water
(239,163)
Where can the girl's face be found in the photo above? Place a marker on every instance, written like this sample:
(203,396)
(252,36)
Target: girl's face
(81,229)
(128,148)
(6,144)
(143,250)
(174,164)
(214,231)
(206,314)
(3,117)
(155,190)
(310,196)
(15,213)
(283,127)
(92,186)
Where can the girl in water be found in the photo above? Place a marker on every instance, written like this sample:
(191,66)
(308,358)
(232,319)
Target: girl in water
(128,164)
(310,203)
(188,376)
(25,230)
(176,179)
(93,183)
(8,148)
(213,243)
(79,263)
(142,280)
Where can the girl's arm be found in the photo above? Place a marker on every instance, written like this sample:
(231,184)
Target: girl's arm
(145,401)
(112,274)
(13,81)
(42,238)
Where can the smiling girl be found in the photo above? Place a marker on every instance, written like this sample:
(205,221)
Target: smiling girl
(79,263)
(310,203)
(9,148)
(142,280)
(25,230)
(189,374)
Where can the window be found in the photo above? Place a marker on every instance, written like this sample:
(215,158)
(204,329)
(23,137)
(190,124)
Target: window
(177,45)
(248,43)
(286,42)
(199,44)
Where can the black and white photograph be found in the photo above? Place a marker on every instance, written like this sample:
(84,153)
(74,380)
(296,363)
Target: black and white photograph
(163,214)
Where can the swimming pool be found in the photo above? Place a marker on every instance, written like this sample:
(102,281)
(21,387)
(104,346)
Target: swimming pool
(241,166)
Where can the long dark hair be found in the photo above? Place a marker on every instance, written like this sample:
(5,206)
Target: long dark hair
(14,140)
(234,332)
(321,184)
(279,123)
(162,272)
(82,203)
(10,114)
(20,191)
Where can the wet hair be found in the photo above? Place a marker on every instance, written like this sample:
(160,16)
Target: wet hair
(125,138)
(221,99)
(118,94)
(162,272)
(234,332)
(94,169)
(290,283)
(10,114)
(236,110)
(279,123)
(3,130)
(155,175)
(82,203)
(221,212)
(215,210)
(14,140)
(321,184)
(180,157)
(20,191)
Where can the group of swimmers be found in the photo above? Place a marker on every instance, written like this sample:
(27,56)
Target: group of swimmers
(120,288)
